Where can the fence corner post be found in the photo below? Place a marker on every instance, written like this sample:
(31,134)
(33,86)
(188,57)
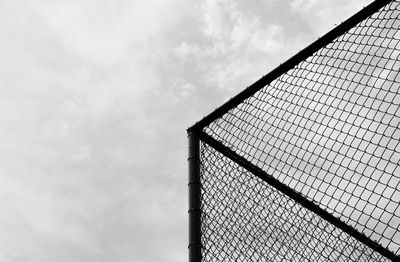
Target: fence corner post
(194,186)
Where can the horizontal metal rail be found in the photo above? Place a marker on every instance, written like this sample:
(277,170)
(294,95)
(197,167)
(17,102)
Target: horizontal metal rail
(303,201)
(291,63)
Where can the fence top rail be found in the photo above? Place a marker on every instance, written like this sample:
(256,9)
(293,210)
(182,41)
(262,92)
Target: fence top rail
(290,63)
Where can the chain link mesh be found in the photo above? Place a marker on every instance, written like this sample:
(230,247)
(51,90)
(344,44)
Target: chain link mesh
(327,128)
(245,219)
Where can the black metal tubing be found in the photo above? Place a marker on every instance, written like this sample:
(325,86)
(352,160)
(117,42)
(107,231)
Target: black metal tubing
(194,186)
(295,196)
(291,63)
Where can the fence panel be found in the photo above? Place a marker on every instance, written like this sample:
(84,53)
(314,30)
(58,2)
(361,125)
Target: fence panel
(328,128)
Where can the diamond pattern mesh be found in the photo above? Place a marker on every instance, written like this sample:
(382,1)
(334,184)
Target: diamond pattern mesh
(245,219)
(329,129)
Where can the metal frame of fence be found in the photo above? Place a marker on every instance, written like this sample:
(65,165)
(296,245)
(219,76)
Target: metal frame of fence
(197,135)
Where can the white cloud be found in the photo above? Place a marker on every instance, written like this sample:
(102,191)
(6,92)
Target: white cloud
(104,32)
(77,81)
(303,5)
(326,14)
(94,100)
(218,15)
(236,42)
(232,30)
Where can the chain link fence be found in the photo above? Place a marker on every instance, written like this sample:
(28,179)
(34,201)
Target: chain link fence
(245,219)
(305,166)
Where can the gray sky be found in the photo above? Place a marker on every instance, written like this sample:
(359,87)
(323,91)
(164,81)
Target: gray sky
(95,97)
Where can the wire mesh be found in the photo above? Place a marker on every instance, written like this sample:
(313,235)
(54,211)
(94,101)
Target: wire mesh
(327,128)
(245,219)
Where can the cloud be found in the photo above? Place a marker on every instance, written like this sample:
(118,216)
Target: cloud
(228,56)
(95,97)
(105,32)
(79,84)
(242,39)
(325,13)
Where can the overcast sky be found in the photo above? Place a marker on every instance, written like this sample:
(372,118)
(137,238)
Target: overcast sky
(95,99)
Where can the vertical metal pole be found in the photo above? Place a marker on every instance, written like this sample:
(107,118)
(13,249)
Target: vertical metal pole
(194,199)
